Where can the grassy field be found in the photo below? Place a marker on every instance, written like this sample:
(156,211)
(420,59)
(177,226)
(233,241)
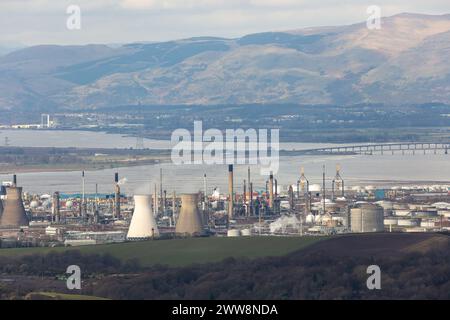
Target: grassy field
(182,252)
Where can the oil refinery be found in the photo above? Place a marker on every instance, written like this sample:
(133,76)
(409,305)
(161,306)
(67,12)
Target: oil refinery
(300,208)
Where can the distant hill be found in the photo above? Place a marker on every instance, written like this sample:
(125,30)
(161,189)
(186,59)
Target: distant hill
(404,62)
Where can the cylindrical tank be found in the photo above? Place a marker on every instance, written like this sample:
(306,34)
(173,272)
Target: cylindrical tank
(189,221)
(34,204)
(233,233)
(402,212)
(390,222)
(408,223)
(69,204)
(143,224)
(310,218)
(246,232)
(367,218)
(428,224)
(426,214)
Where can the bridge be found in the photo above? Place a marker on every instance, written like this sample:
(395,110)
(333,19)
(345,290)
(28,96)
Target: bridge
(380,148)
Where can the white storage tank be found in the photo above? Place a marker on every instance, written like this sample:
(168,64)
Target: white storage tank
(408,222)
(444,213)
(402,212)
(367,217)
(428,224)
(246,232)
(233,233)
(390,222)
(386,205)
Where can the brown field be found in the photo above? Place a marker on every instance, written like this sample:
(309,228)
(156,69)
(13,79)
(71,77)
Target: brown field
(378,244)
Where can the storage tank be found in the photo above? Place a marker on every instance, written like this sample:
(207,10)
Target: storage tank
(390,222)
(367,217)
(408,223)
(14,211)
(143,224)
(402,212)
(386,205)
(246,232)
(189,221)
(428,224)
(233,233)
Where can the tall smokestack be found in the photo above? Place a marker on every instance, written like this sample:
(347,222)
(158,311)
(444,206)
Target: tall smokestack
(323,188)
(251,198)
(155,202)
(276,188)
(56,217)
(161,190)
(174,204)
(83,203)
(271,190)
(1,205)
(205,193)
(116,197)
(291,198)
(244,199)
(164,201)
(230,192)
(250,204)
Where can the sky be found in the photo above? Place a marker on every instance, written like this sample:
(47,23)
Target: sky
(33,22)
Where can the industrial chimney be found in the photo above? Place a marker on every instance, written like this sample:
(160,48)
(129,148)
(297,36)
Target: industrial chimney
(14,211)
(143,224)
(190,220)
(1,209)
(116,196)
(230,192)
(271,190)
(56,217)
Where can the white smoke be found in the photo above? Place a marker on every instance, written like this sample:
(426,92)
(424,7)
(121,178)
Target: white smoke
(282,224)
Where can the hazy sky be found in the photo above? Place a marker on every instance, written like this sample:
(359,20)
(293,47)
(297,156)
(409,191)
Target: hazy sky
(33,22)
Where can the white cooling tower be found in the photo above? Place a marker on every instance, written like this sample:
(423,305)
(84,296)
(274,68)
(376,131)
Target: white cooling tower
(143,224)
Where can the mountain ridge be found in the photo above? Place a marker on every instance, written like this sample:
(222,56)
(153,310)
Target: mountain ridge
(325,65)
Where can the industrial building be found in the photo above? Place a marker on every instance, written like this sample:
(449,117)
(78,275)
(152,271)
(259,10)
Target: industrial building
(297,208)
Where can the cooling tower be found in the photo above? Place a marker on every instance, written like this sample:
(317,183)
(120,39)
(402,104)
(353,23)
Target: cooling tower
(190,220)
(143,224)
(14,212)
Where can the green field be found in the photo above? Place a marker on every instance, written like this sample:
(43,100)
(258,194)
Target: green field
(182,252)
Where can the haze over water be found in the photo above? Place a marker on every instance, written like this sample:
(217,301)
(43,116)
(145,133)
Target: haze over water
(378,170)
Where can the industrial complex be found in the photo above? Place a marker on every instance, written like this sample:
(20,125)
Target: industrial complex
(295,209)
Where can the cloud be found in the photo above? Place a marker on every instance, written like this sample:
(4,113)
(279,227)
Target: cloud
(120,21)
